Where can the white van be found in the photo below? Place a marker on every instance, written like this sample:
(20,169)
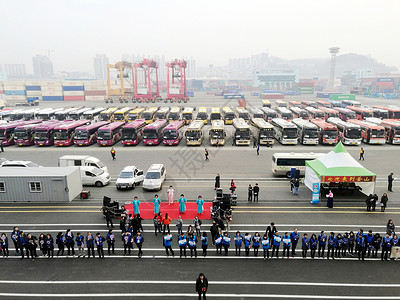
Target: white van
(129,177)
(94,176)
(18,163)
(81,161)
(155,177)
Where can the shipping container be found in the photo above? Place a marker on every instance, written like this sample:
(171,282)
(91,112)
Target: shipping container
(34,93)
(14,88)
(19,93)
(95,83)
(95,88)
(15,97)
(74,98)
(73,88)
(72,83)
(34,98)
(13,83)
(50,83)
(52,88)
(95,98)
(52,98)
(33,83)
(95,93)
(52,93)
(342,97)
(74,93)
(33,88)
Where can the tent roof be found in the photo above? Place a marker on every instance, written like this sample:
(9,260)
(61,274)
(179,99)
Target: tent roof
(338,162)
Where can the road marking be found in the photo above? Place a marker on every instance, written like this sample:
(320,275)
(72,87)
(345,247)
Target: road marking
(311,212)
(213,282)
(175,295)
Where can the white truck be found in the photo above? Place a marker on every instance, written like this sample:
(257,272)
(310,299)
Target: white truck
(94,176)
(81,161)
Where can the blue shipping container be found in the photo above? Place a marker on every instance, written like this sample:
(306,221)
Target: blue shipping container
(384,80)
(72,88)
(255,94)
(190,93)
(17,93)
(53,98)
(33,88)
(32,98)
(271,91)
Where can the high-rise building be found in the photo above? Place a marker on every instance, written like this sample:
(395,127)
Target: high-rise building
(100,66)
(42,66)
(191,68)
(15,70)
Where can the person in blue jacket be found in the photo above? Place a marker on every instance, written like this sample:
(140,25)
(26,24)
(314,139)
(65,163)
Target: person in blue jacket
(69,242)
(339,245)
(377,241)
(345,246)
(139,239)
(60,241)
(167,244)
(14,237)
(127,241)
(321,244)
(305,244)
(361,246)
(204,243)
(49,246)
(265,246)
(90,243)
(395,240)
(136,204)
(238,242)
(218,242)
(199,203)
(256,243)
(369,237)
(286,241)
(386,247)
(182,243)
(156,202)
(80,243)
(99,240)
(352,241)
(247,243)
(331,245)
(226,242)
(294,238)
(4,244)
(192,243)
(110,242)
(182,204)
(313,245)
(276,242)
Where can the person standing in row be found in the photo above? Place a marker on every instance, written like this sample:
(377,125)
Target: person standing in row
(362,153)
(256,243)
(390,182)
(112,151)
(197,225)
(331,245)
(182,243)
(201,286)
(182,204)
(217,182)
(305,244)
(14,238)
(321,244)
(271,230)
(4,244)
(127,241)
(256,190)
(286,241)
(265,246)
(139,239)
(166,221)
(204,243)
(156,202)
(90,244)
(199,203)
(360,246)
(60,240)
(238,242)
(170,195)
(80,243)
(69,242)
(99,240)
(192,242)
(167,244)
(179,225)
(276,243)
(386,247)
(226,242)
(313,245)
(49,246)
(250,193)
(384,201)
(110,242)
(42,244)
(247,243)
(368,202)
(294,238)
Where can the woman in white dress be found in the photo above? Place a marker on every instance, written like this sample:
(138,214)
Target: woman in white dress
(170,194)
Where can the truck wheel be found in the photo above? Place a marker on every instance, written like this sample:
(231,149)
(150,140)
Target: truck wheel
(287,174)
(98,184)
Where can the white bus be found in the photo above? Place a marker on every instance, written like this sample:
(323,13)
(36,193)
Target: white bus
(256,113)
(242,134)
(299,112)
(307,132)
(284,113)
(280,103)
(285,131)
(263,131)
(217,133)
(243,114)
(349,133)
(194,133)
(269,113)
(282,163)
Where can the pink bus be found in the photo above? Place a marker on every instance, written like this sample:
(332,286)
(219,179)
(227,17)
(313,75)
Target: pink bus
(64,134)
(152,133)
(131,133)
(7,131)
(110,134)
(87,134)
(172,134)
(25,135)
(44,132)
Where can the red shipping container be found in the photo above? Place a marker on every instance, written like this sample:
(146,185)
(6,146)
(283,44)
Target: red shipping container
(74,98)
(242,103)
(388,85)
(95,93)
(311,84)
(1,92)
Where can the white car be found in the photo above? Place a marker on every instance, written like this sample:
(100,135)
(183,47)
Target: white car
(155,177)
(19,163)
(129,177)
(94,176)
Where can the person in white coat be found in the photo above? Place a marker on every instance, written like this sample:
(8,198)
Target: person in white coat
(170,194)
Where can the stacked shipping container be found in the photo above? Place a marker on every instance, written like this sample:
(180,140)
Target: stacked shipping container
(52,91)
(33,91)
(73,91)
(95,90)
(15,90)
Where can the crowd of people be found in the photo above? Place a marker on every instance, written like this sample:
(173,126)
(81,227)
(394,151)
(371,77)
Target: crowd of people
(330,245)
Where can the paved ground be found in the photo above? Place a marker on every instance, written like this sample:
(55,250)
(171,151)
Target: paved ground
(230,277)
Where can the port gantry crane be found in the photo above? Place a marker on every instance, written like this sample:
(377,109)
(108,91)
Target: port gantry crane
(146,87)
(176,81)
(125,74)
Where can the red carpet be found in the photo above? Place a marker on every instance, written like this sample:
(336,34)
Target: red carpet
(147,210)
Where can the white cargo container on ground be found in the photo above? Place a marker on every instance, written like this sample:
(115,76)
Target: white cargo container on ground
(74,93)
(95,98)
(72,83)
(81,160)
(52,88)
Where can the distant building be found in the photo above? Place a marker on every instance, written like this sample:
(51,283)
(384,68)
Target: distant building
(275,79)
(15,70)
(365,73)
(191,68)
(3,76)
(100,66)
(42,66)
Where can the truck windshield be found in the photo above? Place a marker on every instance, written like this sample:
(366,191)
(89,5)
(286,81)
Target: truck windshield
(147,116)
(173,116)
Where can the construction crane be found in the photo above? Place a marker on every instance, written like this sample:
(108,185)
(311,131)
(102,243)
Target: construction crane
(176,81)
(124,73)
(146,87)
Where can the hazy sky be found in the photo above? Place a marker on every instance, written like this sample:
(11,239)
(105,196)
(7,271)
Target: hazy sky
(209,31)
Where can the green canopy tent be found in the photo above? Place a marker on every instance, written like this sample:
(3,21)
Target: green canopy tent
(339,166)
